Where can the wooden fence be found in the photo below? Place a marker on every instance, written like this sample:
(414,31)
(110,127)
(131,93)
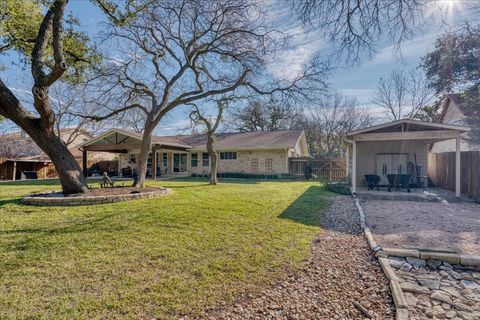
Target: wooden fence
(324,169)
(441,170)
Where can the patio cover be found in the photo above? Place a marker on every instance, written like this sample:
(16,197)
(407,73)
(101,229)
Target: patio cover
(402,130)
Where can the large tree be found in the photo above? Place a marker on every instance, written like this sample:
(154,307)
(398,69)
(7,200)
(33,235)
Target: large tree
(258,115)
(403,95)
(42,41)
(176,52)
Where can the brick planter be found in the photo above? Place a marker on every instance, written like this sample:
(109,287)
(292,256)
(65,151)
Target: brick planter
(53,199)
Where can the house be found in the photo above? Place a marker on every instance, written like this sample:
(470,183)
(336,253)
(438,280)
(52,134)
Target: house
(455,111)
(398,147)
(19,154)
(248,152)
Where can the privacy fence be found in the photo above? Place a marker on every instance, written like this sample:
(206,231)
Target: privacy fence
(323,169)
(441,170)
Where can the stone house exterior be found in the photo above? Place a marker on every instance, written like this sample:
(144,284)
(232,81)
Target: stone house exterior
(248,152)
(454,111)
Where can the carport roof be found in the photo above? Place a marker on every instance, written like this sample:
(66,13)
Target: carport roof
(405,125)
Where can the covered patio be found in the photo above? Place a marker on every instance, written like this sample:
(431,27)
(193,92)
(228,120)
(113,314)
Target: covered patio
(393,156)
(168,156)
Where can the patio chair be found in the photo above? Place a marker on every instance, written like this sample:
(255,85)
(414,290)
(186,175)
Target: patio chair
(399,181)
(372,181)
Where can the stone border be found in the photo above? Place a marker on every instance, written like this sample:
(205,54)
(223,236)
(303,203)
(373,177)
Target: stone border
(39,200)
(382,254)
(401,306)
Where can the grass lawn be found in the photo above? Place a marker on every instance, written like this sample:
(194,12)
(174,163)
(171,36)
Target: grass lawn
(152,258)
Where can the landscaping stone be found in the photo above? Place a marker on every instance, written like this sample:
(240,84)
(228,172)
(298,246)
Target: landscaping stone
(416,262)
(342,269)
(441,291)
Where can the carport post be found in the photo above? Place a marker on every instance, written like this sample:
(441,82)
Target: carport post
(84,163)
(354,167)
(457,167)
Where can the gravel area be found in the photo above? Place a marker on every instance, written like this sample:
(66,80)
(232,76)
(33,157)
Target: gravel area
(341,270)
(439,290)
(454,226)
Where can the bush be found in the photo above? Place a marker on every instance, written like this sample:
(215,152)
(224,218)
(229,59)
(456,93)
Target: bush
(341,187)
(256,176)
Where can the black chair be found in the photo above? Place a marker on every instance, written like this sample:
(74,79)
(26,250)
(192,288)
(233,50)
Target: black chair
(399,181)
(372,181)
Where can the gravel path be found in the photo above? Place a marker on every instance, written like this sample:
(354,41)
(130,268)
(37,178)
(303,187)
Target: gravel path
(453,226)
(341,270)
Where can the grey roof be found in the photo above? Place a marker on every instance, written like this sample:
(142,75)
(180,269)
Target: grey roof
(245,140)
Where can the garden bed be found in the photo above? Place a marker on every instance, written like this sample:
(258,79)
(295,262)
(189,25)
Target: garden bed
(94,196)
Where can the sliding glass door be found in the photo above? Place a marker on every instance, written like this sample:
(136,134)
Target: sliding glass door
(179,162)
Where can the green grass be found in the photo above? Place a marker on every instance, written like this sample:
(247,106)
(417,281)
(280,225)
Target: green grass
(153,258)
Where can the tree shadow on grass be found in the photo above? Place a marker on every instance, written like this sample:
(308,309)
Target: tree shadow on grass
(307,208)
(10,201)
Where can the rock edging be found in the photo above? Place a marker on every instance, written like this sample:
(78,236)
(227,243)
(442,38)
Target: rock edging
(401,306)
(41,199)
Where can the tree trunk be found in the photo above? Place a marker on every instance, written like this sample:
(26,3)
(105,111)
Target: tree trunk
(68,169)
(144,152)
(213,158)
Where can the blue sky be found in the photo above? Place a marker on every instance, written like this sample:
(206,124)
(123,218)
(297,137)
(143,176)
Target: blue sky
(359,81)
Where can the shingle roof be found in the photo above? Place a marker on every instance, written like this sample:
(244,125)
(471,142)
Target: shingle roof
(270,139)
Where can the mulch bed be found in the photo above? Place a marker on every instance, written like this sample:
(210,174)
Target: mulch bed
(341,272)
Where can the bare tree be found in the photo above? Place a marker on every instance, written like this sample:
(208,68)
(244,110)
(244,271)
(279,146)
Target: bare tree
(211,125)
(264,116)
(177,52)
(327,123)
(41,126)
(402,96)
(355,27)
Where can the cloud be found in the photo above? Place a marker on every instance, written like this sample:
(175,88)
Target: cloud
(364,96)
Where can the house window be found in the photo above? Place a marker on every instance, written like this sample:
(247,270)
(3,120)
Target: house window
(268,164)
(165,160)
(133,158)
(205,159)
(254,164)
(228,156)
(194,160)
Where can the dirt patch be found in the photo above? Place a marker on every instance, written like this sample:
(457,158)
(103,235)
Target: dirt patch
(454,226)
(341,270)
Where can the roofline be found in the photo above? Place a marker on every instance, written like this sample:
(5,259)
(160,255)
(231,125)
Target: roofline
(245,148)
(25,160)
(409,121)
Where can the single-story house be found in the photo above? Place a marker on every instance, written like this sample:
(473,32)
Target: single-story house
(247,152)
(456,109)
(21,158)
(397,147)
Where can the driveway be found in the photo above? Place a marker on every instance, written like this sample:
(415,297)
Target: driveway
(454,226)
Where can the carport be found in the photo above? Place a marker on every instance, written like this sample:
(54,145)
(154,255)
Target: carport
(394,147)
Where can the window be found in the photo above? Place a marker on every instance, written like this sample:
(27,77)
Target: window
(133,158)
(268,164)
(194,160)
(165,160)
(205,159)
(254,164)
(228,155)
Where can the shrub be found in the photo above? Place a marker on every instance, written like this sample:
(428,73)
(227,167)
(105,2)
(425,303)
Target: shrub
(341,187)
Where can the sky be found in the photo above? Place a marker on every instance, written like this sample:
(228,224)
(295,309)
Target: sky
(358,81)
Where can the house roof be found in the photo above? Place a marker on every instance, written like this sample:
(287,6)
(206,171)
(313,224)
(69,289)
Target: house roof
(19,146)
(408,125)
(460,100)
(244,140)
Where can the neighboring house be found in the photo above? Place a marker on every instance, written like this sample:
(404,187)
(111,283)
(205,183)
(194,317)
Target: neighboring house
(19,154)
(249,152)
(454,111)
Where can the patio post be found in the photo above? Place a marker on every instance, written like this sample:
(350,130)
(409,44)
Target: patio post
(354,167)
(457,167)
(154,162)
(84,163)
(347,161)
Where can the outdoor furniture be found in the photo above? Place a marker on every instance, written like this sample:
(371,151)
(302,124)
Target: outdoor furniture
(29,175)
(372,181)
(399,181)
(106,181)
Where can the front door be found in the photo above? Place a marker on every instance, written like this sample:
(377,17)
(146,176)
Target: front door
(179,162)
